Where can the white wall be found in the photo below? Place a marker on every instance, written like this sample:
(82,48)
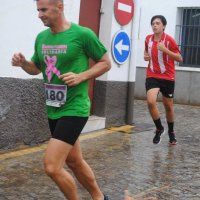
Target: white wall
(155,7)
(19,26)
(119,72)
(187,89)
(108,28)
(166,8)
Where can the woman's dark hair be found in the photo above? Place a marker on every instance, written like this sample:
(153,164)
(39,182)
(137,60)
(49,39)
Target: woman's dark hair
(162,18)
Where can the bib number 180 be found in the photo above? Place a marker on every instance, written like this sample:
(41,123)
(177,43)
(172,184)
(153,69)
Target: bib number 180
(55,95)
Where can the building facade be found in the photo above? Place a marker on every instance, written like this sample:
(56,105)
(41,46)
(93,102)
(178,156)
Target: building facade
(22,110)
(183,23)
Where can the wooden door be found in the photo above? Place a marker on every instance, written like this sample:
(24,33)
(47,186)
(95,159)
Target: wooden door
(90,17)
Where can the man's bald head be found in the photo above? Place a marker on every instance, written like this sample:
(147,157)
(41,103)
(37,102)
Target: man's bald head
(54,1)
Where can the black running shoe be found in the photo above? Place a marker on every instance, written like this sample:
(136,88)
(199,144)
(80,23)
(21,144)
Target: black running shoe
(106,197)
(157,137)
(172,138)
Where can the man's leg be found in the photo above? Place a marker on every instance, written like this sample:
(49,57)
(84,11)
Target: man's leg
(54,160)
(153,109)
(155,114)
(83,172)
(151,102)
(169,109)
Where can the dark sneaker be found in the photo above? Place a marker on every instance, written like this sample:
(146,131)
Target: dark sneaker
(157,137)
(172,138)
(106,197)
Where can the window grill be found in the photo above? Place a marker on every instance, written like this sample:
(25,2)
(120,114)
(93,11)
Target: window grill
(189,37)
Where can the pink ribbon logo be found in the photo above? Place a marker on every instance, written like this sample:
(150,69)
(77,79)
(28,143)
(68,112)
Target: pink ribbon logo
(51,67)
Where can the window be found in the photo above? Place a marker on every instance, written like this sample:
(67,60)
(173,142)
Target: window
(189,36)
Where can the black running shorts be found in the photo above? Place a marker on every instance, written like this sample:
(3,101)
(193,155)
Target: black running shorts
(67,129)
(166,87)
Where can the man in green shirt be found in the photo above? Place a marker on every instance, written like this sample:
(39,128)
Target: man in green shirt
(61,54)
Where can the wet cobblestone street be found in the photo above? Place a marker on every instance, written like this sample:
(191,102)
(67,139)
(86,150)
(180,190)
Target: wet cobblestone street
(121,160)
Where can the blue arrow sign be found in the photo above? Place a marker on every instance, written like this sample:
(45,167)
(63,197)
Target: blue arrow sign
(121,47)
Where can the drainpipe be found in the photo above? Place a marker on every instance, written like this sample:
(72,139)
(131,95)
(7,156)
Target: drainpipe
(132,65)
(130,103)
(131,81)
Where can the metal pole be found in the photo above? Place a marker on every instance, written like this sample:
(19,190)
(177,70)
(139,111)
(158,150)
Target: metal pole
(135,29)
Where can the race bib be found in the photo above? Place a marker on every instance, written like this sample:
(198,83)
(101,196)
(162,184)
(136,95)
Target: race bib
(55,94)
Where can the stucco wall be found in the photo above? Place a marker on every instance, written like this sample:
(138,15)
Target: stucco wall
(110,101)
(22,112)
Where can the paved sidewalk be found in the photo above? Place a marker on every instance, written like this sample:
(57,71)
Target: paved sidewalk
(122,159)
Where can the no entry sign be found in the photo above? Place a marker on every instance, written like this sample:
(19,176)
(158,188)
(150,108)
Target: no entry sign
(124,10)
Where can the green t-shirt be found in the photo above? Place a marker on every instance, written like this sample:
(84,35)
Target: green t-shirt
(68,51)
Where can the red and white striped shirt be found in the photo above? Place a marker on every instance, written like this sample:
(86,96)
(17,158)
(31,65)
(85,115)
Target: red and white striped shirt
(161,66)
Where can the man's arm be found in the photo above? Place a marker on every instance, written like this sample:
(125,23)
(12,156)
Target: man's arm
(29,67)
(146,56)
(99,68)
(175,56)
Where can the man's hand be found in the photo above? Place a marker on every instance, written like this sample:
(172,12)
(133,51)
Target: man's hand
(71,79)
(29,67)
(162,47)
(146,56)
(18,59)
(175,56)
